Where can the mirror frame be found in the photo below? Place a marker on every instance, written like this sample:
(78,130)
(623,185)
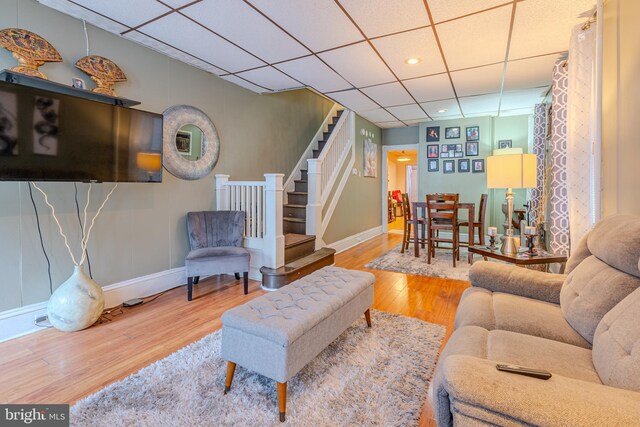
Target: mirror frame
(173,119)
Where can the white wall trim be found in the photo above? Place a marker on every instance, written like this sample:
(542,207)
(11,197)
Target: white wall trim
(385,189)
(356,239)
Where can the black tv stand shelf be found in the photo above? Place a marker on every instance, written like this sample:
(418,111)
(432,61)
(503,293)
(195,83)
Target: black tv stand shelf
(36,82)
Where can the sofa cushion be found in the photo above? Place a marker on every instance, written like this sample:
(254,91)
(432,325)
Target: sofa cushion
(616,242)
(496,310)
(591,290)
(616,345)
(222,251)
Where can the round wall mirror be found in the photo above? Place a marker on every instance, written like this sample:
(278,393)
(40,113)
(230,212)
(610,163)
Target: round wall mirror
(190,142)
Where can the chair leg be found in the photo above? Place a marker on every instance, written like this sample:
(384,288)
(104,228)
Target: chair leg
(231,370)
(424,234)
(196,279)
(245,277)
(367,316)
(404,238)
(237,276)
(282,401)
(455,247)
(189,288)
(481,235)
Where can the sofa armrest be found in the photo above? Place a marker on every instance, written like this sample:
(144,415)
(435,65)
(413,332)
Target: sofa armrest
(477,390)
(510,279)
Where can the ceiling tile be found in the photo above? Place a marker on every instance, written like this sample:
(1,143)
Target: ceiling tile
(194,39)
(479,104)
(176,3)
(358,64)
(517,112)
(526,73)
(387,125)
(319,25)
(80,12)
(378,115)
(544,26)
(127,12)
(271,78)
(476,40)
(171,52)
(415,122)
(483,114)
(522,98)
(408,112)
(478,81)
(244,84)
(430,88)
(353,100)
(389,94)
(412,44)
(386,17)
(256,34)
(449,9)
(435,108)
(313,72)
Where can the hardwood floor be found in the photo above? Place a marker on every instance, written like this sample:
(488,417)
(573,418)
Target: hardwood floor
(56,367)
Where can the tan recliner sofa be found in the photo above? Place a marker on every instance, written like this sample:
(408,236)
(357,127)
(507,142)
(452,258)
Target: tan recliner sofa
(582,326)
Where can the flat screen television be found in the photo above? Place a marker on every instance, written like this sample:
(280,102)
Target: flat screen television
(51,136)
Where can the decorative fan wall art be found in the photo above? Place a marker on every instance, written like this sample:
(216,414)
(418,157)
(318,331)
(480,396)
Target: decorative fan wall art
(104,72)
(31,51)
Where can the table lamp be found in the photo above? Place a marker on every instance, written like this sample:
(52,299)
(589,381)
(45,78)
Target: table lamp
(511,171)
(149,162)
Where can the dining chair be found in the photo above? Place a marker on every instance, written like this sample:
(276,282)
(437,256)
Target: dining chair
(442,215)
(476,225)
(407,236)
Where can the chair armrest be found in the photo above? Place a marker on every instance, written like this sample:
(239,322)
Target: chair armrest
(508,278)
(478,391)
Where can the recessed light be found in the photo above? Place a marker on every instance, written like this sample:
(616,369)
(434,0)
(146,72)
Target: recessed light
(444,110)
(412,61)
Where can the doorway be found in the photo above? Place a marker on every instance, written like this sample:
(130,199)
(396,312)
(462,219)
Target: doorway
(400,170)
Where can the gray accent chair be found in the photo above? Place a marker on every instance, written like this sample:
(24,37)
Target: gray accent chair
(582,326)
(215,240)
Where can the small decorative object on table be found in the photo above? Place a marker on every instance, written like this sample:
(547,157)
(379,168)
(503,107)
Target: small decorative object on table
(492,232)
(31,51)
(103,71)
(530,233)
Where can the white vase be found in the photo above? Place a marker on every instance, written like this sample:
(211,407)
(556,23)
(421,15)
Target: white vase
(77,303)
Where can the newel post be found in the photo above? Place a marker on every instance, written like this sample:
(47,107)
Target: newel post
(273,237)
(222,192)
(314,200)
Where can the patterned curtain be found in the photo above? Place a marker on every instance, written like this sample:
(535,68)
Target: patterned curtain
(536,195)
(581,119)
(558,198)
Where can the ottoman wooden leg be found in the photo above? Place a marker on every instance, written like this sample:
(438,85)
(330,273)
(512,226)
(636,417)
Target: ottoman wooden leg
(231,369)
(367,315)
(282,400)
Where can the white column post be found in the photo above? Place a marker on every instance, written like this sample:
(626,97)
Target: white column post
(273,237)
(222,192)
(314,199)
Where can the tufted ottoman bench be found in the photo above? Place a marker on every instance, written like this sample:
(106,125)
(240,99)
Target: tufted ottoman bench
(277,334)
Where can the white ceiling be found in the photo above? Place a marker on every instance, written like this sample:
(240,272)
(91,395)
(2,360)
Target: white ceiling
(478,57)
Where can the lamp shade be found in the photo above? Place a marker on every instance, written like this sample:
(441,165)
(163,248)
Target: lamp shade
(150,162)
(511,171)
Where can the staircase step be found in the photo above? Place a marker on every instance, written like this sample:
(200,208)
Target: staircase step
(301,185)
(330,127)
(276,278)
(295,211)
(298,197)
(304,174)
(316,154)
(325,135)
(297,246)
(294,225)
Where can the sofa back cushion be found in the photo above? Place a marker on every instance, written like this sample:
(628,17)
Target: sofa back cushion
(606,276)
(616,345)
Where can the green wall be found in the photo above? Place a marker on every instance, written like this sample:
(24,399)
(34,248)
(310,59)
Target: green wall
(358,208)
(142,228)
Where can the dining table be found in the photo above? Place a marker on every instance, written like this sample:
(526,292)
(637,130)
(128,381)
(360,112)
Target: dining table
(422,218)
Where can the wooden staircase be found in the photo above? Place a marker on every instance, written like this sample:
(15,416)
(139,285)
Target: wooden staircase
(300,255)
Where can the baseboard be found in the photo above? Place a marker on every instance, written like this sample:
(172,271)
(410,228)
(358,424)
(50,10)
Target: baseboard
(356,239)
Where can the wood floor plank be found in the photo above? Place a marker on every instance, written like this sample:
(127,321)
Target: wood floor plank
(56,367)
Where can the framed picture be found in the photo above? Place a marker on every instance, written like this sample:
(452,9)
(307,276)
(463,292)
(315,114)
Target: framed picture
(433,134)
(370,158)
(473,133)
(183,142)
(449,166)
(478,166)
(452,154)
(432,165)
(459,147)
(77,83)
(458,154)
(433,151)
(505,143)
(452,133)
(452,147)
(464,165)
(471,149)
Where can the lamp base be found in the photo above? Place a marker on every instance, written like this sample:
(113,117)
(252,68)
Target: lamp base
(509,246)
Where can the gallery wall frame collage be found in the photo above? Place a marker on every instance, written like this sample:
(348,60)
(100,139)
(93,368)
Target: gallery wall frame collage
(450,152)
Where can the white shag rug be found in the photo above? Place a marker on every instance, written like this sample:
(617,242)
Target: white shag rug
(366,377)
(441,266)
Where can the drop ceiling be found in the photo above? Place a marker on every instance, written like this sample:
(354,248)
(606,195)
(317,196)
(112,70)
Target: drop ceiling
(477,57)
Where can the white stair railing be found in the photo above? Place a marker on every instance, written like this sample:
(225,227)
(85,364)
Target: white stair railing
(323,172)
(261,201)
